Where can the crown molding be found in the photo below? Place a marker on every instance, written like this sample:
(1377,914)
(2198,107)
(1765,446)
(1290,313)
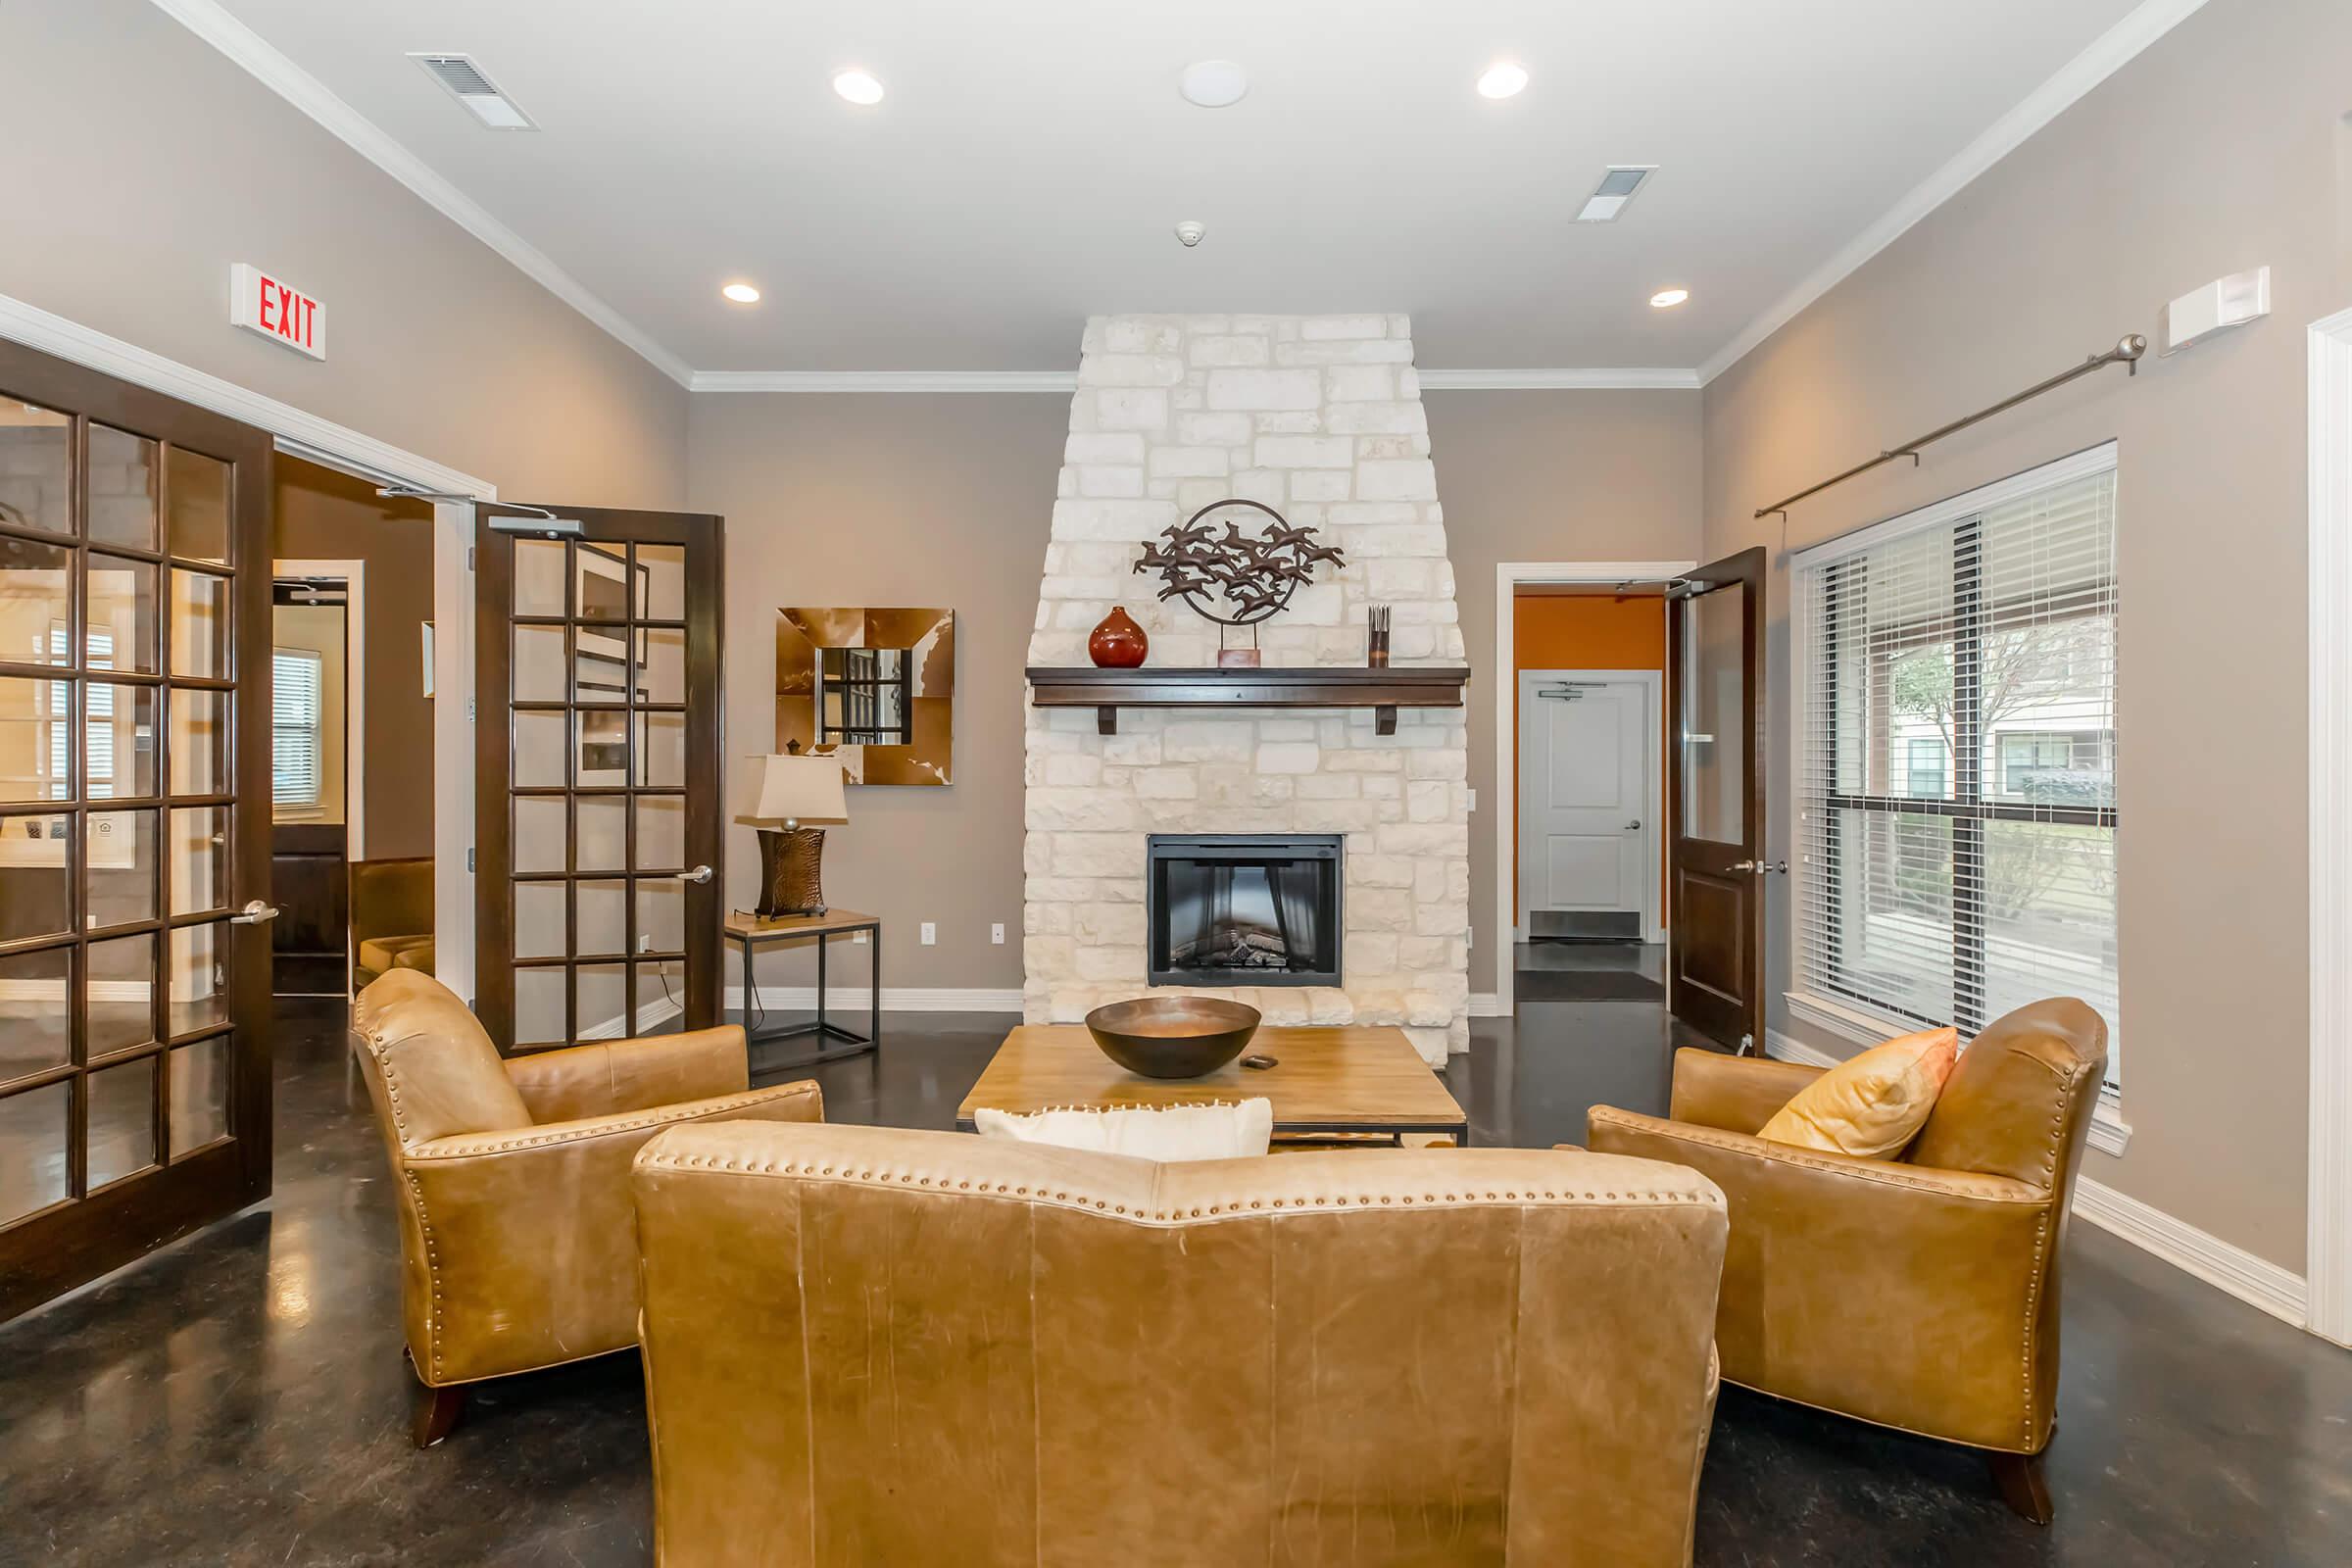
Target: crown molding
(883,381)
(1560,381)
(1555,380)
(306,92)
(2107,54)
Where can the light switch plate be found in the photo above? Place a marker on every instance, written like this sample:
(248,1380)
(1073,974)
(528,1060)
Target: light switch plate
(930,934)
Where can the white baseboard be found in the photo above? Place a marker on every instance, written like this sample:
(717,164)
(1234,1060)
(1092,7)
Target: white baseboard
(1485,1004)
(847,999)
(2255,1281)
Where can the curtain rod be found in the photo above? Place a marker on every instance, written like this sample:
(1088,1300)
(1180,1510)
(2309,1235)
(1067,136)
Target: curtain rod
(2126,352)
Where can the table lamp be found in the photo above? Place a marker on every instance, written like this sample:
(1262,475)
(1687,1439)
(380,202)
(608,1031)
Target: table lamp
(786,795)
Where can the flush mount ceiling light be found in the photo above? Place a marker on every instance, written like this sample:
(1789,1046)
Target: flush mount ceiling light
(1213,83)
(1616,188)
(741,293)
(1666,298)
(464,81)
(1503,79)
(857,86)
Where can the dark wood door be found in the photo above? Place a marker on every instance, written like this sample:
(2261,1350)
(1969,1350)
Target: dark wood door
(134,822)
(597,776)
(1715,800)
(310,882)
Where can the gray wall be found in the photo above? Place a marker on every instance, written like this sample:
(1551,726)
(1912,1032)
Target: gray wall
(142,163)
(1552,477)
(858,499)
(2218,149)
(862,499)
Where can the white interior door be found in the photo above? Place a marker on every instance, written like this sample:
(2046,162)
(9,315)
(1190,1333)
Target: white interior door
(1584,763)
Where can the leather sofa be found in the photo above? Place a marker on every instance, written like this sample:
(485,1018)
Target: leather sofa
(1920,1293)
(391,917)
(519,1245)
(867,1345)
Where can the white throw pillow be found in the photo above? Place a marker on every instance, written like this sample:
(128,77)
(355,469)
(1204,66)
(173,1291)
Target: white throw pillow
(1166,1134)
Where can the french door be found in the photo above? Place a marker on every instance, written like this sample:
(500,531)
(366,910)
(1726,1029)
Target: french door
(599,773)
(1715,798)
(134,822)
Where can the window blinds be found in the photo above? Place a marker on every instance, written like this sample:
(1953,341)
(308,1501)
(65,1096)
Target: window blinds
(294,717)
(1955,742)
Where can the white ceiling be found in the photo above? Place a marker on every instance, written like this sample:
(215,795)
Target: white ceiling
(1032,158)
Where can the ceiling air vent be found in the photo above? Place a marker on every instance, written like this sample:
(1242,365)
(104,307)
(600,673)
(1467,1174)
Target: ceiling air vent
(1616,188)
(467,84)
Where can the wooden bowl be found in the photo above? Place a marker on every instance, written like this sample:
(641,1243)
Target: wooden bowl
(1173,1037)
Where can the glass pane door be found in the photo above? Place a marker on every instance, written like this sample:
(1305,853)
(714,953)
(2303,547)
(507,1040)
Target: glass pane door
(1715,959)
(599,900)
(134,1080)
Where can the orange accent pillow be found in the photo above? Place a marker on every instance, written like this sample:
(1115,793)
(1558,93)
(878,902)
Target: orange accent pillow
(1873,1104)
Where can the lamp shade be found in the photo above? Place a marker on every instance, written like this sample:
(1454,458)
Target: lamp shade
(794,789)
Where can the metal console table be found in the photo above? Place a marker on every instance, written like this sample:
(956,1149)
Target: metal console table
(752,933)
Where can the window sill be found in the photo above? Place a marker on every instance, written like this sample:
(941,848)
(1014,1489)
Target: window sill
(2110,1134)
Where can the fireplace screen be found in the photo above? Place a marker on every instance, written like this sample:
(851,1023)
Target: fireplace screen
(1245,909)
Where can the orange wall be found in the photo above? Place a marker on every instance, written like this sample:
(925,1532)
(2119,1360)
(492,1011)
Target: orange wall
(1582,631)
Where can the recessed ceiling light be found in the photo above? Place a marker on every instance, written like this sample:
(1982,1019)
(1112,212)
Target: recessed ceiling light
(1503,80)
(741,293)
(857,86)
(1666,297)
(1213,83)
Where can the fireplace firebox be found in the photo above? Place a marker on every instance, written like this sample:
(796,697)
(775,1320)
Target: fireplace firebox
(1245,909)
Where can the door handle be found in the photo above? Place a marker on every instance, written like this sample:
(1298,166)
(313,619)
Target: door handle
(255,914)
(1634,826)
(701,874)
(1759,867)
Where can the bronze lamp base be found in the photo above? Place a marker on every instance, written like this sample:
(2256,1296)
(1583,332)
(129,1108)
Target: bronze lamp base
(791,872)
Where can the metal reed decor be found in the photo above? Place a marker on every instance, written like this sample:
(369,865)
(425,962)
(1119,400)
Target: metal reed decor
(1253,575)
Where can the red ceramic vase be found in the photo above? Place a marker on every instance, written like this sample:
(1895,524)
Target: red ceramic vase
(1118,642)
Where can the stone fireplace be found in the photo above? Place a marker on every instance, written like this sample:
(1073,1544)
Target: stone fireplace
(1320,417)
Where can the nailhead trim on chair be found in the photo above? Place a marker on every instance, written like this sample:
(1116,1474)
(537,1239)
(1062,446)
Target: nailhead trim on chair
(654,1158)
(1958,1184)
(599,1126)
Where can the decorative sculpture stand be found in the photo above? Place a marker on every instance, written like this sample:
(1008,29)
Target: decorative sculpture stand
(1255,576)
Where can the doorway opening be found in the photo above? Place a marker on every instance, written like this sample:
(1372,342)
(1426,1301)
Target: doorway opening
(352,753)
(1581,765)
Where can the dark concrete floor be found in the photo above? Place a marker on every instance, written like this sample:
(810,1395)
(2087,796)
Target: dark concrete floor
(241,1397)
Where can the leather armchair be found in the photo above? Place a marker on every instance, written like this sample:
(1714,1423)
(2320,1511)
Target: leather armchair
(872,1346)
(1919,1293)
(519,1245)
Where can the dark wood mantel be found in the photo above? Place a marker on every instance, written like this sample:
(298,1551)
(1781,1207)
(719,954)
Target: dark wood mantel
(1385,691)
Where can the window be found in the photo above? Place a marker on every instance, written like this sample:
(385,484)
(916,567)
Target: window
(867,698)
(294,721)
(1955,703)
(1924,776)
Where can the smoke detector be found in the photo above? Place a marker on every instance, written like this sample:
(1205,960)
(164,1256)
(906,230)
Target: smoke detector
(467,83)
(1213,83)
(1190,233)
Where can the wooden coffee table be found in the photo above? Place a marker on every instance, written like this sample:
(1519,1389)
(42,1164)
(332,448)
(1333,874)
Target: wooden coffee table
(1357,1079)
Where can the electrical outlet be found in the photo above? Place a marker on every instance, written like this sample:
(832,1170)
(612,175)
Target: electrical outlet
(1474,800)
(995,933)
(930,935)
(645,941)
(857,939)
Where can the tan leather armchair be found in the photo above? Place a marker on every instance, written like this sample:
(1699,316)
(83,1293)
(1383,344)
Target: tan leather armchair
(1919,1293)
(519,1245)
(866,1346)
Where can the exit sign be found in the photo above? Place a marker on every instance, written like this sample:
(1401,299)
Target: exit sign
(260,302)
